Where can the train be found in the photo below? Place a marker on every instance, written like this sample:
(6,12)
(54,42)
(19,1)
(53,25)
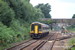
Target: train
(38,30)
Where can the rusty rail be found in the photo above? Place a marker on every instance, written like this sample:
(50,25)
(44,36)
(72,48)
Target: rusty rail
(18,44)
(53,43)
(38,45)
(27,45)
(42,43)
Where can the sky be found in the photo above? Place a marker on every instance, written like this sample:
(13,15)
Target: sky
(60,9)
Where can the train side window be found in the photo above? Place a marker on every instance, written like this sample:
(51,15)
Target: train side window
(44,28)
(47,27)
(32,27)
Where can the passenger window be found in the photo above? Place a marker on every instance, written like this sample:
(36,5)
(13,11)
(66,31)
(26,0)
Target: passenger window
(43,28)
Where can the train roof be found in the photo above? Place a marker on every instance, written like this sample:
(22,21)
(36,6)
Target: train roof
(40,23)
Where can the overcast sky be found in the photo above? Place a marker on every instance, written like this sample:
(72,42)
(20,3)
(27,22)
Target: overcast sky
(59,8)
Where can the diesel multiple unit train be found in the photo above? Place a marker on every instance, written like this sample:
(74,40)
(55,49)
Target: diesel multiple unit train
(38,30)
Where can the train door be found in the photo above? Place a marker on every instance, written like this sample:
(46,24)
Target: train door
(36,29)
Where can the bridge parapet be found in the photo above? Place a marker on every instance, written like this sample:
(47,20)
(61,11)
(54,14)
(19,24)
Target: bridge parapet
(67,21)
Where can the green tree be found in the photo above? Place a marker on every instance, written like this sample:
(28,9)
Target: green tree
(6,13)
(23,10)
(6,34)
(27,0)
(73,16)
(49,22)
(46,8)
(39,13)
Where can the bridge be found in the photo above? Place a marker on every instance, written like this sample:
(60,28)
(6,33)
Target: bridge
(69,21)
(60,22)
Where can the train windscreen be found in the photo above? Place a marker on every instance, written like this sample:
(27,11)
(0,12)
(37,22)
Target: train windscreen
(32,27)
(39,27)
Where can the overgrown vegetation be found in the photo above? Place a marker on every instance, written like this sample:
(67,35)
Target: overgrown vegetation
(15,19)
(71,43)
(71,28)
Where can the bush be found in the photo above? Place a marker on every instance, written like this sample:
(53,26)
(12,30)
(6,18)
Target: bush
(13,33)
(71,28)
(6,34)
(71,43)
(21,29)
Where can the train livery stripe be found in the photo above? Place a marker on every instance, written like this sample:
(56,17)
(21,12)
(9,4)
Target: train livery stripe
(36,29)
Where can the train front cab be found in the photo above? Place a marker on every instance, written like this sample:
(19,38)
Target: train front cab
(36,30)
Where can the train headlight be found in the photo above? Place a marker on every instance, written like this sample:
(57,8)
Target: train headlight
(40,33)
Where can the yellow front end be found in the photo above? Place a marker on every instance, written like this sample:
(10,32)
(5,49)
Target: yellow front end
(36,29)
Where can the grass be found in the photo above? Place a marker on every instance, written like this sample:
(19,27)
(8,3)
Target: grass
(73,48)
(71,29)
(71,43)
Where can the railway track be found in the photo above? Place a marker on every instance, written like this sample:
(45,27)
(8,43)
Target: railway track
(43,45)
(35,44)
(53,42)
(22,45)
